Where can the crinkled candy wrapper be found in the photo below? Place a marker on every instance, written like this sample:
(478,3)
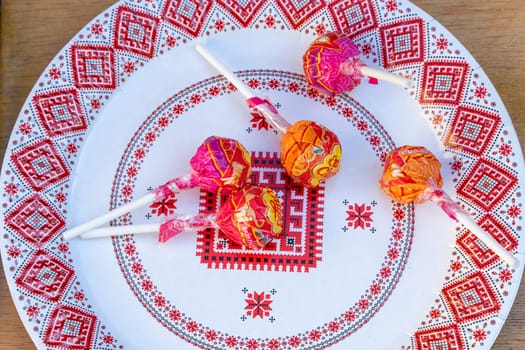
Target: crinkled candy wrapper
(219,165)
(251,216)
(409,173)
(310,153)
(331,64)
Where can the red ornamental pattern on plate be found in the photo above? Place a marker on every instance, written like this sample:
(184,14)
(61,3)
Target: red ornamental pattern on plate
(477,251)
(403,42)
(70,328)
(93,67)
(487,184)
(45,276)
(40,164)
(258,304)
(353,17)
(187,15)
(243,12)
(443,337)
(359,216)
(298,249)
(60,112)
(135,32)
(443,82)
(181,324)
(472,130)
(471,298)
(35,220)
(298,12)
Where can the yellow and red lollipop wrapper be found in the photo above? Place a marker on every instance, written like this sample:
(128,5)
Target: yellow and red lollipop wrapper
(409,172)
(311,153)
(251,216)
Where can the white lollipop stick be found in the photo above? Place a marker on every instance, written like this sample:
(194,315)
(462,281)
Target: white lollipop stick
(265,107)
(442,199)
(385,76)
(121,230)
(113,214)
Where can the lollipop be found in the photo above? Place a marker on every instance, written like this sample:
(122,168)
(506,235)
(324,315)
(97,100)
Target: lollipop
(332,65)
(251,216)
(412,174)
(219,165)
(310,153)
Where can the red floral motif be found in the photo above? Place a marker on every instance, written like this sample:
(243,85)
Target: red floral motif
(195,99)
(13,251)
(362,125)
(480,92)
(132,171)
(63,248)
(333,326)
(442,44)
(366,49)
(456,165)
(312,93)
(127,191)
(391,5)
(130,249)
(171,41)
(359,216)
(137,267)
(363,304)
(159,301)
(11,189)
(214,91)
(375,141)
(375,289)
(435,314)
(79,295)
(25,128)
(273,344)
(331,101)
(164,207)
(252,344)
(33,311)
(178,109)
(139,153)
(163,122)
(385,272)
(147,285)
(479,335)
(505,275)
(129,67)
(231,341)
(399,214)
(219,25)
(253,83)
(258,304)
(54,73)
(273,84)
(456,266)
(349,316)
(514,211)
(397,234)
(72,148)
(108,339)
(269,21)
(294,341)
(95,104)
(192,326)
(97,29)
(320,29)
(259,121)
(175,315)
(293,87)
(393,253)
(505,149)
(211,335)
(150,137)
(315,335)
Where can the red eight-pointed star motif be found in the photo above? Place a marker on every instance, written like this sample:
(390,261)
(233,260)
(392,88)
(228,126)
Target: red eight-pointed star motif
(258,304)
(359,216)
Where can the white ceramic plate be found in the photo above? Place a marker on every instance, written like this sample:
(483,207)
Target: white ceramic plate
(123,107)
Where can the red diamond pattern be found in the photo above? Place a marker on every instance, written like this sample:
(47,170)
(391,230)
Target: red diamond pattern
(472,130)
(135,32)
(487,184)
(60,112)
(353,17)
(93,67)
(477,251)
(244,12)
(440,338)
(187,15)
(298,250)
(298,12)
(35,220)
(403,43)
(471,298)
(443,82)
(70,328)
(45,276)
(40,164)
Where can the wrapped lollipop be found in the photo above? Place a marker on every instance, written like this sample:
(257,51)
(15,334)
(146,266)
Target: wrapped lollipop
(332,65)
(219,165)
(251,216)
(412,174)
(310,152)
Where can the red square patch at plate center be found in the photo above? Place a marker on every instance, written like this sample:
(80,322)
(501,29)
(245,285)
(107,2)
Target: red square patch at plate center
(298,249)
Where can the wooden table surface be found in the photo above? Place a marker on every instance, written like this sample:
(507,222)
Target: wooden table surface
(33,31)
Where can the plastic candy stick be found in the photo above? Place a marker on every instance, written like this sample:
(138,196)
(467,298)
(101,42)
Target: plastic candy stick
(251,216)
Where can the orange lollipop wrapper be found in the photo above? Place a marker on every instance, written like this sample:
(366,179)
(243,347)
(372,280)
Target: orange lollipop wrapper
(412,174)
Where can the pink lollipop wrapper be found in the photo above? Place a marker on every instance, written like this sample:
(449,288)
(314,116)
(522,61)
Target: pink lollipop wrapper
(332,65)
